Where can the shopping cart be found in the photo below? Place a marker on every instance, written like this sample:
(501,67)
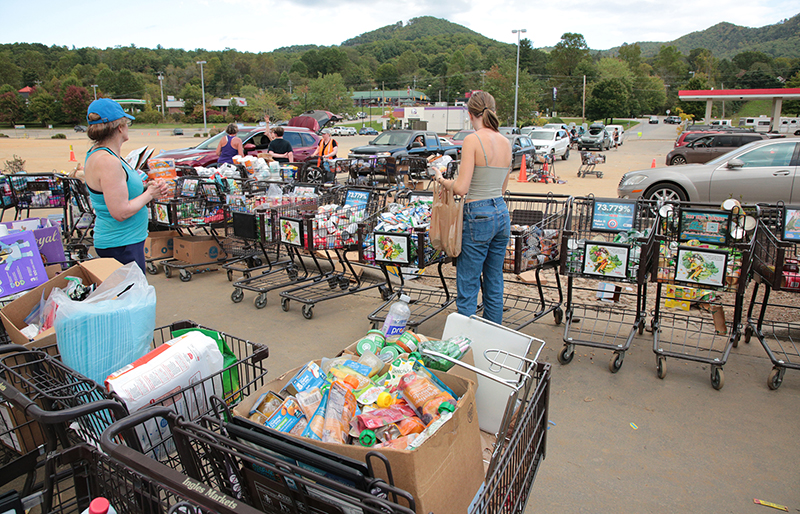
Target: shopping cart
(197,209)
(254,466)
(356,211)
(701,258)
(776,264)
(589,162)
(609,241)
(293,269)
(407,248)
(78,225)
(38,191)
(537,222)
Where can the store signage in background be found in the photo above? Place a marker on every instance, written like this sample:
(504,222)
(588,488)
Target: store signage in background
(357,199)
(610,215)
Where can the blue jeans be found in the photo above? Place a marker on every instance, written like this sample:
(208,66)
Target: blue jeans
(483,246)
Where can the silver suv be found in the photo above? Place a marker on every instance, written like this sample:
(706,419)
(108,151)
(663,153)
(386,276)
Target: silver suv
(596,137)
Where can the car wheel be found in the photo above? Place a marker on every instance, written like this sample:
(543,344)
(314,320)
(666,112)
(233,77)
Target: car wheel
(678,159)
(566,155)
(664,193)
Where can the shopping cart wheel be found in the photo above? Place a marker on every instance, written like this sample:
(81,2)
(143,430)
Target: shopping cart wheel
(616,362)
(292,272)
(717,378)
(775,378)
(566,354)
(661,367)
(257,262)
(308,311)
(167,271)
(230,275)
(344,283)
(385,293)
(736,337)
(285,304)
(748,333)
(246,275)
(185,275)
(641,327)
(558,316)
(237,295)
(261,301)
(333,282)
(152,268)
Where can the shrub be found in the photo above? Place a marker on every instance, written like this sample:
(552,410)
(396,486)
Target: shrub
(152,117)
(58,136)
(3,135)
(197,134)
(15,165)
(556,120)
(214,131)
(216,118)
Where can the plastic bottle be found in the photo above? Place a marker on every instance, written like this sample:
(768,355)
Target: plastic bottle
(100,506)
(396,320)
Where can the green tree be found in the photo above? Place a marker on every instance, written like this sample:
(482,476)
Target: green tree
(632,55)
(609,99)
(500,81)
(191,96)
(696,109)
(9,71)
(43,106)
(107,81)
(11,105)
(407,63)
(329,93)
(568,54)
(757,80)
(129,85)
(386,73)
(264,103)
(234,109)
(792,106)
(569,61)
(670,65)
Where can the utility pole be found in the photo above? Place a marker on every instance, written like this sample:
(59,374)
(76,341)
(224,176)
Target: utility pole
(203,88)
(583,102)
(290,86)
(516,87)
(161,83)
(94,87)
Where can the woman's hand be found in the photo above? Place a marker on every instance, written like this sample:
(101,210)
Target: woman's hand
(157,188)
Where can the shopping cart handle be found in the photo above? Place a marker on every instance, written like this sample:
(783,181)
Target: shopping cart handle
(127,423)
(509,383)
(11,347)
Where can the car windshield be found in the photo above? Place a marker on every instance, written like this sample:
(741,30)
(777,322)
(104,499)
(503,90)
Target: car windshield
(212,142)
(546,135)
(461,135)
(595,130)
(393,138)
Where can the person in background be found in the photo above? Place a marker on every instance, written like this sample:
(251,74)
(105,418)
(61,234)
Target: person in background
(118,192)
(229,145)
(327,149)
(483,177)
(616,138)
(279,148)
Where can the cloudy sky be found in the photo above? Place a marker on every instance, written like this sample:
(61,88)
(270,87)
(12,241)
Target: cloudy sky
(260,26)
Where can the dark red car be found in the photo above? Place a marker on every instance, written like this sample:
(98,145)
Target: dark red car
(255,141)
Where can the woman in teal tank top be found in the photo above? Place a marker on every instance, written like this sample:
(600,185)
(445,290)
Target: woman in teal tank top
(119,194)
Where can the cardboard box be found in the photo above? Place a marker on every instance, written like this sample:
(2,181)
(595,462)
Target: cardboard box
(444,474)
(196,249)
(47,234)
(93,271)
(21,266)
(159,245)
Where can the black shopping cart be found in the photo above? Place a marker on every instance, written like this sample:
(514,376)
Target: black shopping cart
(401,243)
(605,253)
(537,222)
(700,266)
(776,264)
(337,228)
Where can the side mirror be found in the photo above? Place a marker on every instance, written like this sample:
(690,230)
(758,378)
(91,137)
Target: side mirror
(416,144)
(735,164)
(372,142)
(249,147)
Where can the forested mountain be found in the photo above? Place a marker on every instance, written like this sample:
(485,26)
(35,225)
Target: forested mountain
(438,57)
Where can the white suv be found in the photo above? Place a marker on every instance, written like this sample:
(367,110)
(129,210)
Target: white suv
(554,141)
(347,131)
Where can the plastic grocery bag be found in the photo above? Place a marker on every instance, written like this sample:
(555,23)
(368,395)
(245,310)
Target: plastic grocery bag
(230,377)
(447,221)
(111,328)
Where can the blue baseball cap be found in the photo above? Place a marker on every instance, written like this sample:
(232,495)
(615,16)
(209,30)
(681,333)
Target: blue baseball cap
(107,109)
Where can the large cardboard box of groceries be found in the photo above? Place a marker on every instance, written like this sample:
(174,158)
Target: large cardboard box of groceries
(93,271)
(196,249)
(443,474)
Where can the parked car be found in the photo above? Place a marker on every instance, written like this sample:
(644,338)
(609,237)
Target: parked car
(507,131)
(595,137)
(709,146)
(688,136)
(254,140)
(458,139)
(361,115)
(521,145)
(620,130)
(368,131)
(556,126)
(551,141)
(672,120)
(761,171)
(80,128)
(653,120)
(347,131)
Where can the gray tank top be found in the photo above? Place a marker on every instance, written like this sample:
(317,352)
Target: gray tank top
(487,181)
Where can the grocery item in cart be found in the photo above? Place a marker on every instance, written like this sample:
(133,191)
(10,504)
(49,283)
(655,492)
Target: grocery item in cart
(340,410)
(424,396)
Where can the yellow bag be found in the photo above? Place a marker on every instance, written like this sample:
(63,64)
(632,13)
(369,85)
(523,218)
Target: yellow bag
(447,221)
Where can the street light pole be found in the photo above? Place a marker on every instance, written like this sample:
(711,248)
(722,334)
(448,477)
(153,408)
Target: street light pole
(94,87)
(161,83)
(203,88)
(516,87)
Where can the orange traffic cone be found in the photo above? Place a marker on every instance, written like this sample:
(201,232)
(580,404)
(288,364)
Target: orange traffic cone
(72,155)
(156,133)
(545,168)
(654,164)
(523,172)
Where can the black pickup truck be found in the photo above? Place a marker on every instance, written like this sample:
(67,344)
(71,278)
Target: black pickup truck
(391,152)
